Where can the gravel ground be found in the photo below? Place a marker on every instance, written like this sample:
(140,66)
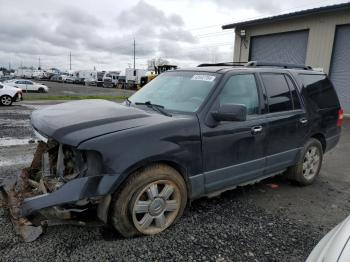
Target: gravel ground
(227,228)
(252,223)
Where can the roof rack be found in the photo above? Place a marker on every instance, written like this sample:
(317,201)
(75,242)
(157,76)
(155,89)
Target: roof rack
(282,65)
(224,64)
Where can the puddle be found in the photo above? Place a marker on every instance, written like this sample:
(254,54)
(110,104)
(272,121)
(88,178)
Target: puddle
(8,141)
(69,92)
(16,160)
(15,122)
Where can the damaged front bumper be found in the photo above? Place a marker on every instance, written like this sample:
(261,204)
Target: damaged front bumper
(39,197)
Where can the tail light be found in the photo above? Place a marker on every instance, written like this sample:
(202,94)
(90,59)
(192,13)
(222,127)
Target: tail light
(20,95)
(340,117)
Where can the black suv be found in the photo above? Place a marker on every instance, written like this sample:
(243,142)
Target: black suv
(186,134)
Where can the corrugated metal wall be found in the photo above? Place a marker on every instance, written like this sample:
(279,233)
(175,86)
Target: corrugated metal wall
(284,47)
(340,68)
(321,36)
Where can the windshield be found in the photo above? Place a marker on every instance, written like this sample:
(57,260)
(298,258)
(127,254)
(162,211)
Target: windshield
(178,91)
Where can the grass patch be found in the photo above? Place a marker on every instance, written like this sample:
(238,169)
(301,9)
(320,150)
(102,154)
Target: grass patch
(74,97)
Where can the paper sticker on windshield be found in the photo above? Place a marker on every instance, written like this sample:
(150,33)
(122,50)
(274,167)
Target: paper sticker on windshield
(203,78)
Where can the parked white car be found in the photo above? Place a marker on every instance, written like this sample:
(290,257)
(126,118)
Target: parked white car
(335,246)
(9,94)
(29,86)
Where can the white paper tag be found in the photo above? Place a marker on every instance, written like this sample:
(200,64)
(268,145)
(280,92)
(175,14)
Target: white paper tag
(207,78)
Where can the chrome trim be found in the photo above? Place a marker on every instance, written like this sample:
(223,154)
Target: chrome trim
(40,136)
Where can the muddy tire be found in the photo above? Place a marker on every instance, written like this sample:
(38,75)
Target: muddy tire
(150,201)
(309,164)
(6,100)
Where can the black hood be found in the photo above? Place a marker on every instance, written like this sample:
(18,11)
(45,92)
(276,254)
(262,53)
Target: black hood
(74,122)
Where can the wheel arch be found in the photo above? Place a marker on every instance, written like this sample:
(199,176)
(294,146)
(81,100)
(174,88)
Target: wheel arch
(181,169)
(320,137)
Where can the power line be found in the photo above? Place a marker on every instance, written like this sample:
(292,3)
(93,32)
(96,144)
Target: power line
(260,16)
(226,32)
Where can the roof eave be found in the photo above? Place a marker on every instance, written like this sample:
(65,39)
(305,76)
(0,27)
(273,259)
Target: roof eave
(283,17)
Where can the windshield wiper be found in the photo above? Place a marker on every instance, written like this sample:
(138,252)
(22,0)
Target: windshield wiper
(129,102)
(155,107)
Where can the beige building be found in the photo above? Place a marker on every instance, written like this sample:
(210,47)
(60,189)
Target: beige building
(317,37)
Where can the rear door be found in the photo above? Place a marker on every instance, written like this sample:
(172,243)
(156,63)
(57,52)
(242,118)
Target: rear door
(30,86)
(233,151)
(287,121)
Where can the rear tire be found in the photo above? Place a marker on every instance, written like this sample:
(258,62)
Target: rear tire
(309,164)
(41,90)
(6,100)
(150,201)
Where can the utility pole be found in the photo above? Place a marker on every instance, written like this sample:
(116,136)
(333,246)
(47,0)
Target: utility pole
(9,65)
(134,57)
(39,67)
(70,60)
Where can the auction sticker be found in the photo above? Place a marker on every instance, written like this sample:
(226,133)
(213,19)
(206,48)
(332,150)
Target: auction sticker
(207,78)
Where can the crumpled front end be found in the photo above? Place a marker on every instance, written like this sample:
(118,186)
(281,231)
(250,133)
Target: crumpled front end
(61,186)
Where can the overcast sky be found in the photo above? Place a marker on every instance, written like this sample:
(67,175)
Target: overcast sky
(100,33)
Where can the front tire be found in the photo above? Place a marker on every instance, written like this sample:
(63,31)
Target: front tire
(151,200)
(6,100)
(309,164)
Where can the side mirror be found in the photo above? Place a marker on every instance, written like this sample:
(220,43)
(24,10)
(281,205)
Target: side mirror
(230,112)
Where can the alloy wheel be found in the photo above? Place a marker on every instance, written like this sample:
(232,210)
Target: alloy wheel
(311,162)
(6,100)
(156,207)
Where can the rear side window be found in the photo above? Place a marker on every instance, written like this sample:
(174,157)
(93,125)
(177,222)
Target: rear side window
(320,92)
(278,93)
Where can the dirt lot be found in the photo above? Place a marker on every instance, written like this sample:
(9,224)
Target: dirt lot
(64,89)
(253,223)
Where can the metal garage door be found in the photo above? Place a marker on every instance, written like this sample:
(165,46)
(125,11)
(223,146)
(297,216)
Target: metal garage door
(283,48)
(340,68)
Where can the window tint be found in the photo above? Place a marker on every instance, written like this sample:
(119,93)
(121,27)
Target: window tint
(319,91)
(241,89)
(295,96)
(278,94)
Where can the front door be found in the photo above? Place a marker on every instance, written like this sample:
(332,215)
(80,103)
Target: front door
(21,84)
(233,151)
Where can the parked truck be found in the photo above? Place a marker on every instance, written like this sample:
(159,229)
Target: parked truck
(133,77)
(110,79)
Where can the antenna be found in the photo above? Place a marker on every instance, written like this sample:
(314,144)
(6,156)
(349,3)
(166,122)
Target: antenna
(134,57)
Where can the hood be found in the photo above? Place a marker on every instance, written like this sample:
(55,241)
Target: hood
(74,122)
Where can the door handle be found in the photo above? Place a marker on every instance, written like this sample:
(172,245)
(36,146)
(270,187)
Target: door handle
(257,129)
(303,120)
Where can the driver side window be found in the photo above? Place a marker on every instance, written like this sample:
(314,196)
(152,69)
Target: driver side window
(242,90)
